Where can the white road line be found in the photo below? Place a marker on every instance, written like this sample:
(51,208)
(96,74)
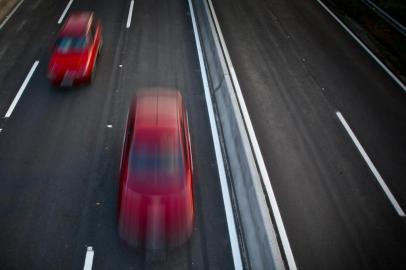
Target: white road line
(21,90)
(11,14)
(383,66)
(235,247)
(371,166)
(65,11)
(130,14)
(89,259)
(257,152)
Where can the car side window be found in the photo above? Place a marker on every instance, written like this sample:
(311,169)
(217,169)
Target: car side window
(93,28)
(127,139)
(130,128)
(184,139)
(90,35)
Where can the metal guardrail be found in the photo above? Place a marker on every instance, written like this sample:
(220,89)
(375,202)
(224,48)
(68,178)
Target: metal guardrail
(384,15)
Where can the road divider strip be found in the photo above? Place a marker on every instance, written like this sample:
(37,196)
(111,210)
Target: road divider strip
(371,166)
(257,151)
(130,14)
(65,11)
(254,203)
(10,14)
(89,259)
(354,36)
(232,231)
(21,90)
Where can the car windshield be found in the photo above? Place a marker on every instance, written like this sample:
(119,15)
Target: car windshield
(162,158)
(65,44)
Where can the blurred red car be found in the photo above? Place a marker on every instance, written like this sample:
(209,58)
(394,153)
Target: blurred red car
(76,50)
(156,204)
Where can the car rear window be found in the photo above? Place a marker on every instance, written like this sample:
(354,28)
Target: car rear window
(65,44)
(162,159)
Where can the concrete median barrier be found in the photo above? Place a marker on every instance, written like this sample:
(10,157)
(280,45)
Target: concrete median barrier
(5,8)
(260,244)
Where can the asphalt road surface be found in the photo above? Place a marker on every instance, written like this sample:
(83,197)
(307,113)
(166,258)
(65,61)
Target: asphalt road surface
(60,149)
(59,156)
(297,67)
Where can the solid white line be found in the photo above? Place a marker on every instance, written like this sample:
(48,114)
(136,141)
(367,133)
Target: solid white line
(21,90)
(371,166)
(235,247)
(65,11)
(130,14)
(257,152)
(383,66)
(89,259)
(11,14)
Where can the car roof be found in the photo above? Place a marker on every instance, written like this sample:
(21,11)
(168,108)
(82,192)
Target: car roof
(157,113)
(157,109)
(77,24)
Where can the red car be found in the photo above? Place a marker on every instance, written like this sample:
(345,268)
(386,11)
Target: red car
(76,49)
(156,204)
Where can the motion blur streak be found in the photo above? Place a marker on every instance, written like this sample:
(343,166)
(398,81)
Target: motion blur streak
(76,50)
(156,193)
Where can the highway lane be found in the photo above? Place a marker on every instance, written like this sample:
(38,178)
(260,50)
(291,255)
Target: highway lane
(18,46)
(296,68)
(59,160)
